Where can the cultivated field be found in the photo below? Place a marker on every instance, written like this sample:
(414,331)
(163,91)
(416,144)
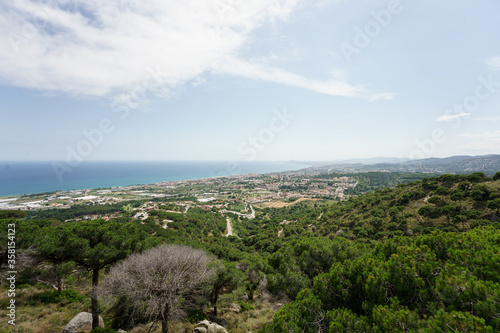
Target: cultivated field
(279,203)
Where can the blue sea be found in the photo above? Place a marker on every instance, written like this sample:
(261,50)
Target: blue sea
(37,177)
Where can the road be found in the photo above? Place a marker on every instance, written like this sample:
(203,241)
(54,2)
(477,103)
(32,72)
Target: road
(229,227)
(248,216)
(228,220)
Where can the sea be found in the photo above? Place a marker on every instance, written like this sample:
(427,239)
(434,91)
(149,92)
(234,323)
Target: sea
(18,178)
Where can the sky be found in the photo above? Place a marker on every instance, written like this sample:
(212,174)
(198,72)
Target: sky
(258,80)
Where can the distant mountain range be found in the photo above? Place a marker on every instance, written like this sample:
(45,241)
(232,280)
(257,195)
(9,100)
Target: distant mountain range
(488,164)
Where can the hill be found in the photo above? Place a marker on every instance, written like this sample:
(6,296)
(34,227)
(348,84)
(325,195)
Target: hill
(489,164)
(422,256)
(449,202)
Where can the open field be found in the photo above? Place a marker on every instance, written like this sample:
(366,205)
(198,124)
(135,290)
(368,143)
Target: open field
(280,204)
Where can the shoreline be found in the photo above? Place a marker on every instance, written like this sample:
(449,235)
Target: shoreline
(7,197)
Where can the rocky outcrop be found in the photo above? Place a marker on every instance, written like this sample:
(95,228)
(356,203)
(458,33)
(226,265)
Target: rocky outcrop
(81,323)
(208,327)
(234,307)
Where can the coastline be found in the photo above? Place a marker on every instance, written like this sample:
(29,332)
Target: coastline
(130,174)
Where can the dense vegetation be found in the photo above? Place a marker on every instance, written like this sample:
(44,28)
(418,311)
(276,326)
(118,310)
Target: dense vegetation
(82,210)
(372,181)
(419,257)
(453,203)
(436,282)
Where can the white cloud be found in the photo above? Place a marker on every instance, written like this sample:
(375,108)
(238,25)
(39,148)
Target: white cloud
(494,63)
(486,119)
(98,48)
(484,135)
(324,3)
(450,117)
(276,75)
(111,47)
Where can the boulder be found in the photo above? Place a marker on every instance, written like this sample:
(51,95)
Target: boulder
(81,323)
(216,328)
(234,307)
(204,323)
(121,331)
(208,327)
(200,329)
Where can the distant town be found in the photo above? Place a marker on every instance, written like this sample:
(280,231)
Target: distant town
(239,194)
(235,194)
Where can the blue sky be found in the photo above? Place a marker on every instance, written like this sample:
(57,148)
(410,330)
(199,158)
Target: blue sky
(248,80)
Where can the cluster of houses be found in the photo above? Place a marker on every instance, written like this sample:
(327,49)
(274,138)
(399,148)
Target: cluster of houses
(222,192)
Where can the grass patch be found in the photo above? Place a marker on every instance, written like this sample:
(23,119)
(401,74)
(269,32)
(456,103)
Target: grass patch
(53,296)
(38,317)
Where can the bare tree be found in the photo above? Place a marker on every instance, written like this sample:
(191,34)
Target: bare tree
(160,282)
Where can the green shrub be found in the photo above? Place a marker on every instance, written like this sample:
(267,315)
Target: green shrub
(195,316)
(54,296)
(72,296)
(434,200)
(47,297)
(246,306)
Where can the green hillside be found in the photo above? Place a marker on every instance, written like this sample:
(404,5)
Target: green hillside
(454,203)
(449,203)
(440,282)
(419,257)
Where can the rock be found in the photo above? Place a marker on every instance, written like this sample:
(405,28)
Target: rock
(121,331)
(276,306)
(215,328)
(200,329)
(145,328)
(204,323)
(264,293)
(81,323)
(208,327)
(234,307)
(241,267)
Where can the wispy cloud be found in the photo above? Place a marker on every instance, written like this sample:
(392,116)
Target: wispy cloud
(484,135)
(98,48)
(276,75)
(94,47)
(450,117)
(486,119)
(324,3)
(494,63)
